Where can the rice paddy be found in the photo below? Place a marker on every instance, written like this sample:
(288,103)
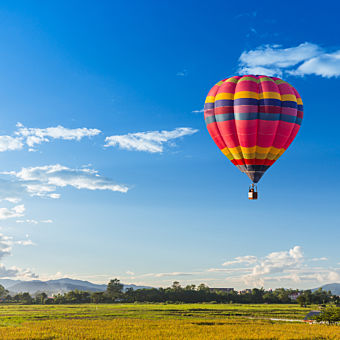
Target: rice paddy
(160,321)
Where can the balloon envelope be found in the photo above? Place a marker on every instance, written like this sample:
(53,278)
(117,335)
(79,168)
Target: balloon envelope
(253,120)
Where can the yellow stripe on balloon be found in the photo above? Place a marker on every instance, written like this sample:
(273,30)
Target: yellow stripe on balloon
(299,101)
(225,95)
(210,99)
(269,95)
(257,152)
(288,97)
(246,94)
(227,153)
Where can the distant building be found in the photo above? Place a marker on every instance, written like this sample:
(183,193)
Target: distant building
(294,296)
(245,291)
(225,290)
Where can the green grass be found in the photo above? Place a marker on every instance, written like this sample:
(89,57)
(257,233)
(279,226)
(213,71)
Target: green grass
(17,314)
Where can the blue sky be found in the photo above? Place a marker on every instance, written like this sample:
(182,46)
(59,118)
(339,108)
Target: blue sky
(107,169)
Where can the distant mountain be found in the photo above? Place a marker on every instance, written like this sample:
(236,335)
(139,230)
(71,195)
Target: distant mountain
(56,286)
(333,287)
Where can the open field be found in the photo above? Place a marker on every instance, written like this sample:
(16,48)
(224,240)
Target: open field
(159,321)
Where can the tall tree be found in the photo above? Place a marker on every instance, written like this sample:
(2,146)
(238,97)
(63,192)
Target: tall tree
(114,289)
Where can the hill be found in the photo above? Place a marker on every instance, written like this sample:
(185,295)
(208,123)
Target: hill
(55,286)
(333,287)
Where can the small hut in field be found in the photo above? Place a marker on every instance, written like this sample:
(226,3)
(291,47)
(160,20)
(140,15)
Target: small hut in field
(310,316)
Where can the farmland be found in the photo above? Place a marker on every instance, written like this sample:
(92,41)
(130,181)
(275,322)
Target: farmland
(159,321)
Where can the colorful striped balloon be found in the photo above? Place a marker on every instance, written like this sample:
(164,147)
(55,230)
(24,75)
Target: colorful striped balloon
(253,120)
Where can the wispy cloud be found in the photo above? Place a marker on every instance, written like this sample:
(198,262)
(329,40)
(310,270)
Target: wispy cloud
(326,65)
(17,211)
(304,59)
(198,111)
(150,141)
(16,272)
(9,143)
(183,73)
(289,266)
(279,268)
(43,181)
(30,137)
(33,221)
(33,136)
(246,14)
(6,245)
(241,259)
(316,259)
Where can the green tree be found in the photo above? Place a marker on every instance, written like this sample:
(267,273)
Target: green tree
(23,298)
(3,291)
(98,297)
(330,314)
(114,289)
(301,299)
(176,285)
(41,298)
(203,288)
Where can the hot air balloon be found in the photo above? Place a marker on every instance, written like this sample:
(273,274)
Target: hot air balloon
(253,119)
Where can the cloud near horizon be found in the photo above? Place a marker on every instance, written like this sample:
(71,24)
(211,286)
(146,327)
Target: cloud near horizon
(150,141)
(290,265)
(304,59)
(6,245)
(279,268)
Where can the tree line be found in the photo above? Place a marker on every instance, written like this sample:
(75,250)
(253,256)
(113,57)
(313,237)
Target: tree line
(175,294)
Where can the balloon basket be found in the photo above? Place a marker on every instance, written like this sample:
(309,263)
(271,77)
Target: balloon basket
(252,193)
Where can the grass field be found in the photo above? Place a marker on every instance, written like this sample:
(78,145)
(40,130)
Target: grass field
(159,321)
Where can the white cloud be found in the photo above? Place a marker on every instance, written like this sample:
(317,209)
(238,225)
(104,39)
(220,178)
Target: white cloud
(150,141)
(10,143)
(43,181)
(33,221)
(241,259)
(279,261)
(319,259)
(6,244)
(12,199)
(305,59)
(333,276)
(16,211)
(326,65)
(274,55)
(282,266)
(27,221)
(198,111)
(46,221)
(35,136)
(229,270)
(172,274)
(157,275)
(25,243)
(16,272)
(11,191)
